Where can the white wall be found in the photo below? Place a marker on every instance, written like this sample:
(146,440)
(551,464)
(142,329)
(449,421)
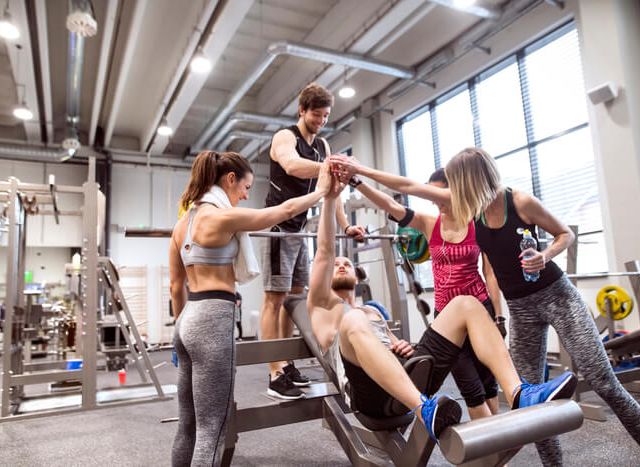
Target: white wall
(148,197)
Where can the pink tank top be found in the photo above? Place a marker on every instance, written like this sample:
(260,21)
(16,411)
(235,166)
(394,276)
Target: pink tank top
(455,267)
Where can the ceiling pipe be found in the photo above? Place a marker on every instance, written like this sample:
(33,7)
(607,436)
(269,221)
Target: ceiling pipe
(32,153)
(245,134)
(310,52)
(103,65)
(132,40)
(264,119)
(75,60)
(393,23)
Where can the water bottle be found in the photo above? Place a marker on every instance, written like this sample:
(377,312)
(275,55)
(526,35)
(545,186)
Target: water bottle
(529,242)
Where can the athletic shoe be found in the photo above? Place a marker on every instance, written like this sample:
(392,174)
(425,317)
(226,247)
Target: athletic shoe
(561,387)
(283,388)
(297,378)
(438,413)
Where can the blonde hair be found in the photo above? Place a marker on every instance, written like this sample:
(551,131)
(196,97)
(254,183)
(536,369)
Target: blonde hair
(474,182)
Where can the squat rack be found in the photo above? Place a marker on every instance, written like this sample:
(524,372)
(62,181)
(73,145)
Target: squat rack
(15,373)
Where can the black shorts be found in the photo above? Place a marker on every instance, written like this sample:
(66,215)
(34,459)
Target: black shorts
(365,394)
(369,398)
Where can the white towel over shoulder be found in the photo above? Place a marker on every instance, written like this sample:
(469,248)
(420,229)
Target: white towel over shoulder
(245,265)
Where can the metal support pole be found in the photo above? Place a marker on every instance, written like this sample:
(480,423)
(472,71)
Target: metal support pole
(399,307)
(89,291)
(15,216)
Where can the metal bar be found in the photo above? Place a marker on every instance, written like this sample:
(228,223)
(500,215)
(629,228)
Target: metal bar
(13,250)
(167,233)
(250,353)
(399,307)
(46,377)
(89,293)
(354,448)
(39,187)
(602,275)
(284,413)
(633,267)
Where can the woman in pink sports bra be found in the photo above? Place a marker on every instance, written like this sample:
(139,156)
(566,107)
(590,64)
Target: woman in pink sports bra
(454,254)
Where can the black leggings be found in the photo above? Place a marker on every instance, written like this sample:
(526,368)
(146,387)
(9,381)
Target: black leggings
(474,380)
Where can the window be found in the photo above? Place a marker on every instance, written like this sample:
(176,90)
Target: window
(500,114)
(455,126)
(529,112)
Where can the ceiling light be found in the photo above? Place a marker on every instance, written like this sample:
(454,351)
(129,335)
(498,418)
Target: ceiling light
(67,154)
(346,92)
(200,63)
(8,30)
(164,129)
(462,4)
(81,20)
(22,112)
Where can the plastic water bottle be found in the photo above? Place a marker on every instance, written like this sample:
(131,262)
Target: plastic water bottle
(529,242)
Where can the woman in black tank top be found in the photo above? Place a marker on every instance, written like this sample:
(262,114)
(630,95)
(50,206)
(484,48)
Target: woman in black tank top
(500,216)
(475,192)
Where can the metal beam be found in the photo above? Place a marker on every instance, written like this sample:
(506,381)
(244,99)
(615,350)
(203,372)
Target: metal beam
(205,17)
(125,67)
(103,65)
(214,46)
(23,72)
(43,41)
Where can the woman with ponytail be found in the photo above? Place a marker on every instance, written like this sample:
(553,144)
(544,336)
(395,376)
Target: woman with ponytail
(210,251)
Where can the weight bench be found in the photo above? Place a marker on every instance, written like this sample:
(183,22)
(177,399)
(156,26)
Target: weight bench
(489,441)
(624,346)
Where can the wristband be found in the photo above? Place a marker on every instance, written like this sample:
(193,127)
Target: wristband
(354,181)
(406,220)
(347,228)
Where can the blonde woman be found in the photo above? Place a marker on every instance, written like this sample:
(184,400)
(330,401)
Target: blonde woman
(454,254)
(500,215)
(210,251)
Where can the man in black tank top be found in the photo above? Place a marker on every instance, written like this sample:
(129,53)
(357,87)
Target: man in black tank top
(296,155)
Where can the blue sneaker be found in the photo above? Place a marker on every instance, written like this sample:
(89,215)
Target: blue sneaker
(561,387)
(438,413)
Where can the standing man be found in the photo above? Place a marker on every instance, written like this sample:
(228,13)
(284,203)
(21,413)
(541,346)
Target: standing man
(296,155)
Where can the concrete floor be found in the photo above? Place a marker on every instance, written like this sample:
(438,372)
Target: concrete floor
(133,435)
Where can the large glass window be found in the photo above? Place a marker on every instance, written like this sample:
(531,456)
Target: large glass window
(455,126)
(529,112)
(555,85)
(500,115)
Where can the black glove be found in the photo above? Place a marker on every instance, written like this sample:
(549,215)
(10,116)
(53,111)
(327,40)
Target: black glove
(501,323)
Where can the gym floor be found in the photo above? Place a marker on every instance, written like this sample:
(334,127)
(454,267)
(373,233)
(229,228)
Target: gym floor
(133,435)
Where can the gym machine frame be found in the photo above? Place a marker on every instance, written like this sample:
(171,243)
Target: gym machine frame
(86,320)
(631,376)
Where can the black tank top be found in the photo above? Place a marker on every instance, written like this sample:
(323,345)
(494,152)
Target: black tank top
(502,247)
(283,187)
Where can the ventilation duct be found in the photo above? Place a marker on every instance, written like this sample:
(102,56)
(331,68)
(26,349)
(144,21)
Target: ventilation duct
(276,49)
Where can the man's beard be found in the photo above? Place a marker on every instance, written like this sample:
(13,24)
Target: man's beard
(343,283)
(311,130)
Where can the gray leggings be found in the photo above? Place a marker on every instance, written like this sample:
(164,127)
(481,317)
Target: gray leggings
(561,306)
(205,346)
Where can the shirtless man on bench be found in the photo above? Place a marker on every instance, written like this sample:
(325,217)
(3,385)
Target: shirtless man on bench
(364,352)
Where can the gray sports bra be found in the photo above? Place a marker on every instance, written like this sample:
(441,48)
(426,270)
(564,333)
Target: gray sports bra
(192,253)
